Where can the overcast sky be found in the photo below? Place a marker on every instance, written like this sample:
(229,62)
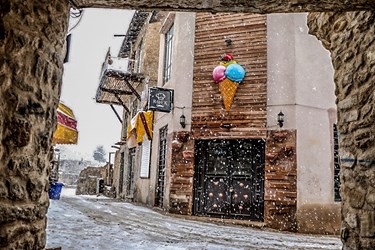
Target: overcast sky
(97,123)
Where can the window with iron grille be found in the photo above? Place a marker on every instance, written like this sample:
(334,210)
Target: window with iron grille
(161,167)
(336,163)
(168,54)
(130,174)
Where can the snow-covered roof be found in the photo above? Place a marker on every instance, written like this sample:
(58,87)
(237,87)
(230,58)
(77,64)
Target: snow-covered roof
(116,85)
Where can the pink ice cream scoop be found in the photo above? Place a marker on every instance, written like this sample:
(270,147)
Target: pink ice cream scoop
(219,73)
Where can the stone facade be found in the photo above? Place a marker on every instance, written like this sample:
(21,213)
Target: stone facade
(143,46)
(32,44)
(88,180)
(350,39)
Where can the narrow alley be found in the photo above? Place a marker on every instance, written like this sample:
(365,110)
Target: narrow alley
(90,222)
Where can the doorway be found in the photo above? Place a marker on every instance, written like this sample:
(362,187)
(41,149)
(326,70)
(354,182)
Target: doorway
(229,178)
(121,173)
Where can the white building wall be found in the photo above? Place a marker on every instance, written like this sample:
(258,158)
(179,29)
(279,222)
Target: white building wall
(181,81)
(300,84)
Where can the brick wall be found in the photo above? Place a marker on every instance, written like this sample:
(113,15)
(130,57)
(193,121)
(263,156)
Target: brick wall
(182,174)
(280,185)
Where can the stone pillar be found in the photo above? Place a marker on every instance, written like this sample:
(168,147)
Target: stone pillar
(350,39)
(32,45)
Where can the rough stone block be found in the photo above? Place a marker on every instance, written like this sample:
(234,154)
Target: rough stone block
(16,189)
(357,197)
(367,220)
(351,220)
(350,116)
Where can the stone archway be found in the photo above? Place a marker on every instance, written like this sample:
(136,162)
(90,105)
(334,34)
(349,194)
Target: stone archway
(31,47)
(350,39)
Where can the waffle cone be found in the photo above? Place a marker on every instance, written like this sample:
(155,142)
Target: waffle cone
(228,89)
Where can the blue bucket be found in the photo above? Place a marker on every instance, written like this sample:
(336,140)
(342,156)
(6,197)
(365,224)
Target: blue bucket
(55,190)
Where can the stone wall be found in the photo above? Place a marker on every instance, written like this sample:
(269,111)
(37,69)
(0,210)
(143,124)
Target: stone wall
(350,39)
(32,40)
(87,180)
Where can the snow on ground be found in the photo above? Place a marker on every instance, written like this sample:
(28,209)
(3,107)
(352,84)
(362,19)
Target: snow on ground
(91,222)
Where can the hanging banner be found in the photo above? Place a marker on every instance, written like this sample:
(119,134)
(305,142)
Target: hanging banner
(140,127)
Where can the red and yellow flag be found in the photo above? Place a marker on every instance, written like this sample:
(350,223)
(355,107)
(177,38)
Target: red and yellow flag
(66,131)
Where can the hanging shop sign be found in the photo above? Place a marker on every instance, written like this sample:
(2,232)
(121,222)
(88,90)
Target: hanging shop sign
(160,99)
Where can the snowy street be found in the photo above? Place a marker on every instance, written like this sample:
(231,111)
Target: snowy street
(90,222)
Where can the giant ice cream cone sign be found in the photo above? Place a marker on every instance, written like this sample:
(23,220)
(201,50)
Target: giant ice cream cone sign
(228,74)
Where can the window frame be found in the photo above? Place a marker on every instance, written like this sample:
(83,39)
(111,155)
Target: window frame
(168,53)
(161,167)
(139,57)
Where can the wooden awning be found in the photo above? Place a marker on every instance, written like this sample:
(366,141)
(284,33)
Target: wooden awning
(66,131)
(116,85)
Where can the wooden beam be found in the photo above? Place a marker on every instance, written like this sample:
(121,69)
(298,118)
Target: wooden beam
(133,89)
(114,110)
(122,103)
(108,102)
(116,91)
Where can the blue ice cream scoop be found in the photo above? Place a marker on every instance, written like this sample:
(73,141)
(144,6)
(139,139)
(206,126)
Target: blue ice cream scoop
(235,72)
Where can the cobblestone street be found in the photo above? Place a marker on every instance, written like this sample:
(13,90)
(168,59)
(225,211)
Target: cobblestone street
(90,222)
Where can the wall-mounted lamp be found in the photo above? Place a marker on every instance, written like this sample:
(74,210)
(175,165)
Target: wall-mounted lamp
(183,121)
(228,41)
(280,119)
